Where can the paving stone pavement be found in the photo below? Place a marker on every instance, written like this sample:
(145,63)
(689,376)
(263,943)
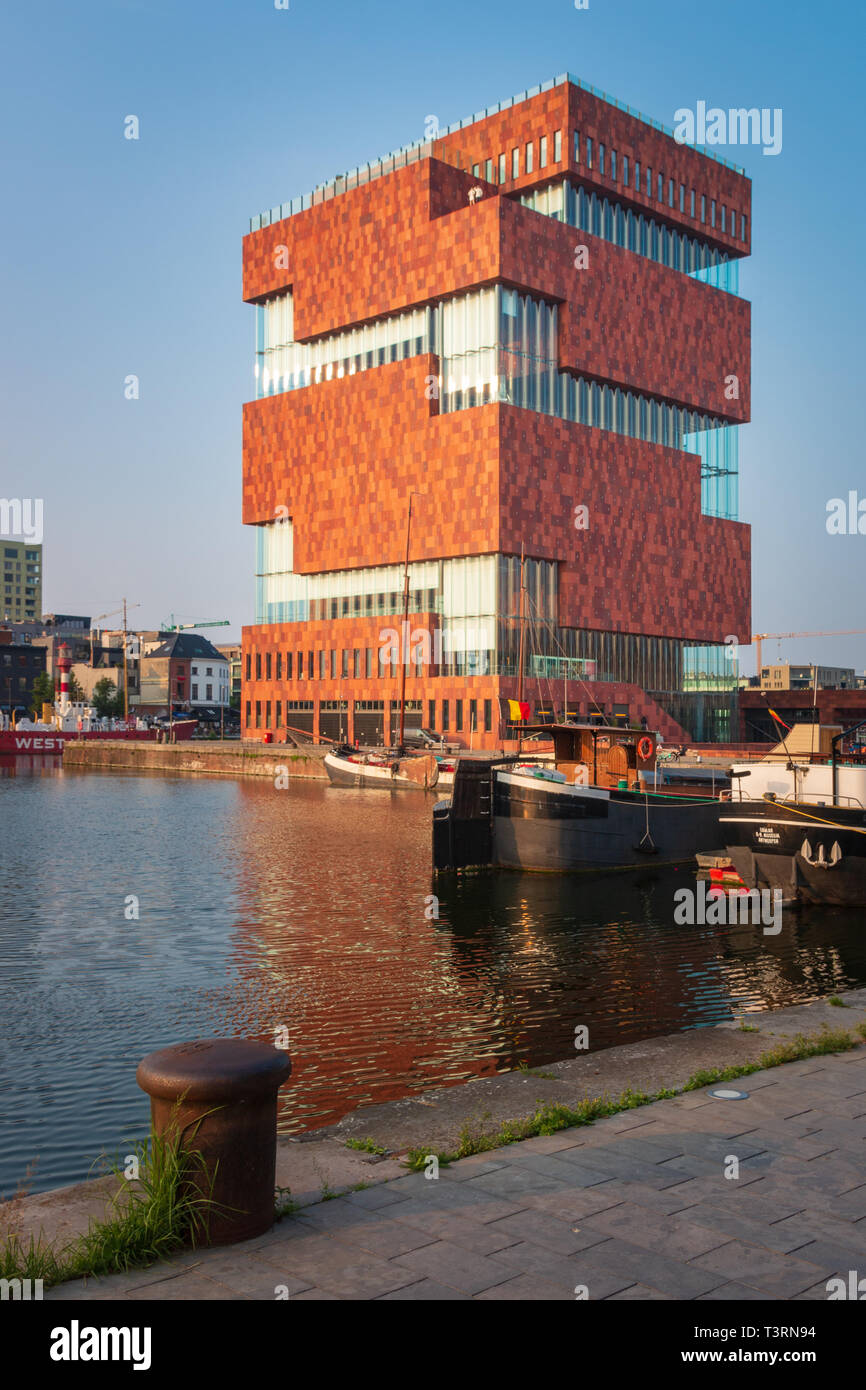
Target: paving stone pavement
(647,1204)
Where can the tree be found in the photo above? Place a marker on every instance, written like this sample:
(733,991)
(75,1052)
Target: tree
(43,693)
(107,698)
(76,691)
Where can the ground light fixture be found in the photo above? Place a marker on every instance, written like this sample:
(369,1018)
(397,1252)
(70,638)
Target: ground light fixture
(726,1093)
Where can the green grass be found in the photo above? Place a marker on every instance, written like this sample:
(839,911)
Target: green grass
(368,1146)
(284,1203)
(837,1002)
(542,1075)
(551,1117)
(168,1209)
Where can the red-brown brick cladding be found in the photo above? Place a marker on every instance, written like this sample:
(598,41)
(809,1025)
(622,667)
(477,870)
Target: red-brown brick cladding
(625,319)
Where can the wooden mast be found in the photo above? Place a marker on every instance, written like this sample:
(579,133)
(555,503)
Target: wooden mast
(522,635)
(404,644)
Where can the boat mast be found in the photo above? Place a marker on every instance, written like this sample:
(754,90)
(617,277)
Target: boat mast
(404,654)
(522,634)
(125,675)
(522,626)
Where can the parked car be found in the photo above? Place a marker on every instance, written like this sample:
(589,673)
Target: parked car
(421,738)
(426,738)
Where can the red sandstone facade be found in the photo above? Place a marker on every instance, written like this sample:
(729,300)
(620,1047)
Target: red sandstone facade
(340,457)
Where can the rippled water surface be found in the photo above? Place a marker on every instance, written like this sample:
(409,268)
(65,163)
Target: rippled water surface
(305,909)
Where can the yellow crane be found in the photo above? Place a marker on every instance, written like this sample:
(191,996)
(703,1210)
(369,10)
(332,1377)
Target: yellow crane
(759,637)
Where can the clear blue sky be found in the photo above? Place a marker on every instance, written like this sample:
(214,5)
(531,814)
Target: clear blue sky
(124,257)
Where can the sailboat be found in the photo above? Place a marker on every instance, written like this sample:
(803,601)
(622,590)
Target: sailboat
(391,769)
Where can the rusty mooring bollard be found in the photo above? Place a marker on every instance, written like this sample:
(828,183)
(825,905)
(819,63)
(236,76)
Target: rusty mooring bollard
(220,1095)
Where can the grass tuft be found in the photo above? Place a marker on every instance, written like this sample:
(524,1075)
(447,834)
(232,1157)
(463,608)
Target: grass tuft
(368,1146)
(166,1210)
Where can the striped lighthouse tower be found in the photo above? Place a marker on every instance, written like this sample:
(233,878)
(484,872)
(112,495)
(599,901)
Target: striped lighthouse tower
(64,666)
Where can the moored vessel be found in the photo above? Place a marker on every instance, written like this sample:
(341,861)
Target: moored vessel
(797,821)
(351,767)
(596,807)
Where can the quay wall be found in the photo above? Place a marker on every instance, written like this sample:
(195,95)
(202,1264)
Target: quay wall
(217,759)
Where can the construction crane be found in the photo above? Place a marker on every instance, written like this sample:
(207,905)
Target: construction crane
(759,637)
(172,626)
(94,626)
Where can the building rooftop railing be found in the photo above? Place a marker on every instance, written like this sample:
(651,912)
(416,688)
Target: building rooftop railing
(422,149)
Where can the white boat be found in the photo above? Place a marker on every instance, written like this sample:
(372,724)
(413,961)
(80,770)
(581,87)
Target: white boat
(419,773)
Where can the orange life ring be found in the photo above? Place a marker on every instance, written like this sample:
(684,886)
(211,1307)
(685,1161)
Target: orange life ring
(645,748)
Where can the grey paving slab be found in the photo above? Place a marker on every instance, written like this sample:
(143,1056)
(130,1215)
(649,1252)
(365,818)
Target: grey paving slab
(676,1170)
(638,1266)
(470,1198)
(385,1237)
(711,1186)
(424,1290)
(732,1224)
(799,1142)
(679,1237)
(562,1237)
(638,1293)
(646,1149)
(251,1277)
(760,1201)
(520,1181)
(737,1293)
(828,1254)
(569,1272)
(451,1264)
(575,1203)
(471,1168)
(850,1206)
(192,1286)
(558,1166)
(484,1238)
(525,1289)
(665,1199)
(608,1163)
(374,1198)
(821,1225)
(783,1276)
(338,1267)
(819,1293)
